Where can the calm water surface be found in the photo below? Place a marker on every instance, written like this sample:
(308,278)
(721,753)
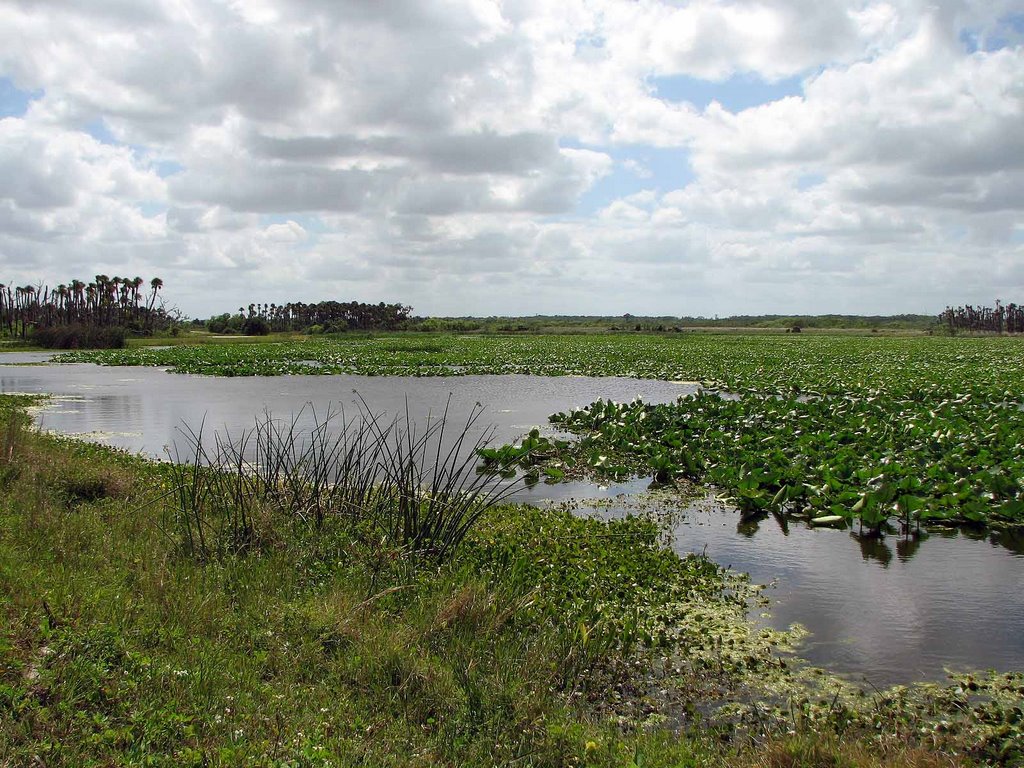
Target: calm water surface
(147,410)
(883,611)
(886,612)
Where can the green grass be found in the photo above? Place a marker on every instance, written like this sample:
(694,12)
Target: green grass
(315,649)
(546,640)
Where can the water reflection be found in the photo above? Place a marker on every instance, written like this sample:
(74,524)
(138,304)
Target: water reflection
(873,548)
(887,609)
(907,546)
(1010,539)
(749,526)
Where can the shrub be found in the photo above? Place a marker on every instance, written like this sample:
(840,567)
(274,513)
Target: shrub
(77,336)
(256,326)
(225,323)
(417,488)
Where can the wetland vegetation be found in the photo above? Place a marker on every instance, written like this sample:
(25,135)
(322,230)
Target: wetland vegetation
(767,363)
(297,632)
(544,639)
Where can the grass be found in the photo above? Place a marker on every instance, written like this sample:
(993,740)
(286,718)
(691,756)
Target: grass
(544,640)
(817,752)
(415,491)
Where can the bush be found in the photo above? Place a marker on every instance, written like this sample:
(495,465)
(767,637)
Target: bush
(369,472)
(255,326)
(225,323)
(77,336)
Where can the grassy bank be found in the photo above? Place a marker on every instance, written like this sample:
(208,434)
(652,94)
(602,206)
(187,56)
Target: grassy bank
(543,640)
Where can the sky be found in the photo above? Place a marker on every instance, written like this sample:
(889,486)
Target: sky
(519,157)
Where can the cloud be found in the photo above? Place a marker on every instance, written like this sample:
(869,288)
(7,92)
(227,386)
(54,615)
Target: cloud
(66,200)
(458,155)
(289,232)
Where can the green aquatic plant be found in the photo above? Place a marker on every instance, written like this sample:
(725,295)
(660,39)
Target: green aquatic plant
(869,460)
(532,450)
(931,368)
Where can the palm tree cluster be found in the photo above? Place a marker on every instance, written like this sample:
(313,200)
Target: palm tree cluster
(1007,318)
(329,316)
(120,302)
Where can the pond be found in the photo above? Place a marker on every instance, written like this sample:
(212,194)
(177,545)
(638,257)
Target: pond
(889,611)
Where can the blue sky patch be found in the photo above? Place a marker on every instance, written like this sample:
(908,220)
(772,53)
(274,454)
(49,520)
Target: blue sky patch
(636,168)
(98,130)
(970,40)
(151,208)
(808,180)
(1008,32)
(165,168)
(590,40)
(13,101)
(737,93)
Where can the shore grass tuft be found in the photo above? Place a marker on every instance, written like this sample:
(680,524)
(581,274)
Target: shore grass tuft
(417,494)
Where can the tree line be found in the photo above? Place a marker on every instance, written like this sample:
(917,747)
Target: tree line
(106,302)
(1002,318)
(324,316)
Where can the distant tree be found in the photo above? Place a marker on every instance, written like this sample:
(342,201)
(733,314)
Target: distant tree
(1002,318)
(103,303)
(256,326)
(330,315)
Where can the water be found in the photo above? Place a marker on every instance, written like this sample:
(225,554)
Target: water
(883,611)
(886,612)
(145,410)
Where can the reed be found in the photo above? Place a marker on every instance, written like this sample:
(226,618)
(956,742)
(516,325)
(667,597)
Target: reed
(415,486)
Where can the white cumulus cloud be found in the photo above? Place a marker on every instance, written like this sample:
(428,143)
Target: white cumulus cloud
(470,156)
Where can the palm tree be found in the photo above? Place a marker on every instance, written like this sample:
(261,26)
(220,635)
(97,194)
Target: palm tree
(155,285)
(136,296)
